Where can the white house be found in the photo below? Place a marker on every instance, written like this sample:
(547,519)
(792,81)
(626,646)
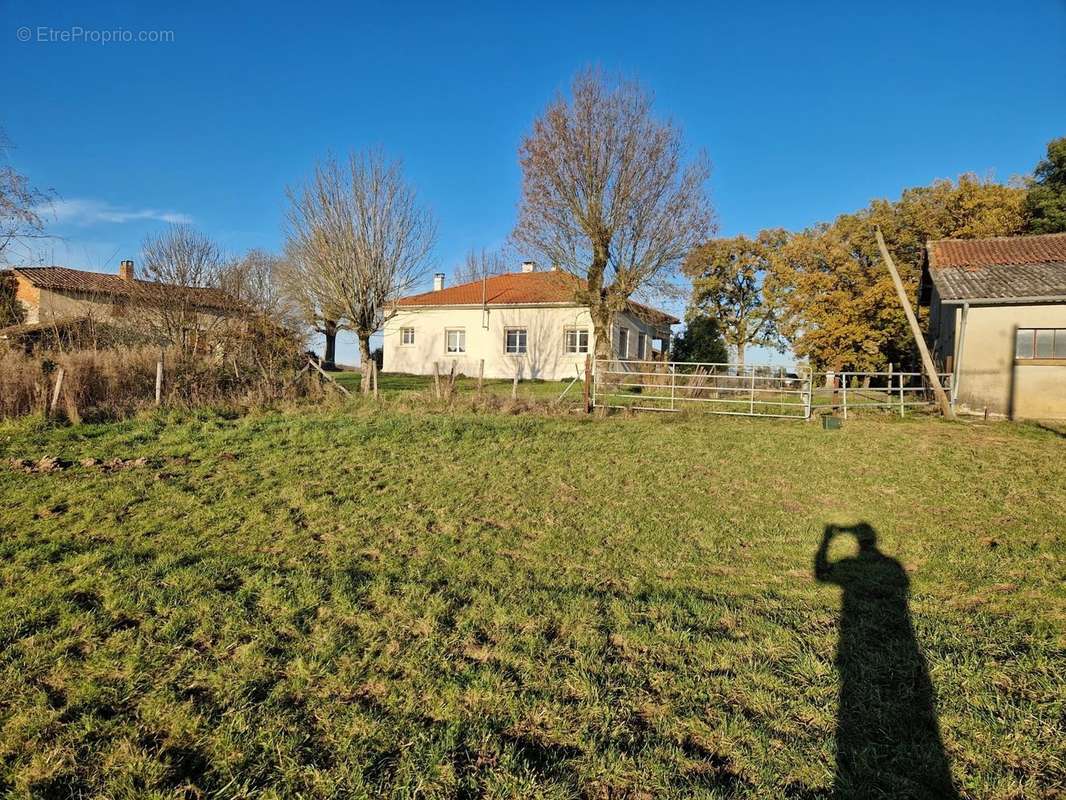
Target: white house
(527,323)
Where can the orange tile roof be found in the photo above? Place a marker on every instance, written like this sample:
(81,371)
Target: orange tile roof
(997,251)
(520,289)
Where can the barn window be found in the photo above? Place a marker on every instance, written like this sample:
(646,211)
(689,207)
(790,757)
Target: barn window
(642,344)
(408,335)
(1033,343)
(623,343)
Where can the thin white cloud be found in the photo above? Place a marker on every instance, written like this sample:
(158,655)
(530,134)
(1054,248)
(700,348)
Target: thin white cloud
(94,212)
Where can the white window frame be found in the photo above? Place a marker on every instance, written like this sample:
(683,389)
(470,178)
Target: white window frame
(642,345)
(403,336)
(578,349)
(461,349)
(521,341)
(622,337)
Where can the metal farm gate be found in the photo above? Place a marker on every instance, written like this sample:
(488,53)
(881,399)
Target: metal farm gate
(734,389)
(753,390)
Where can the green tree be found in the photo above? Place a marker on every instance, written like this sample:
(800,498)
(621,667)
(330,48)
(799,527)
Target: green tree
(838,305)
(1045,205)
(700,341)
(727,279)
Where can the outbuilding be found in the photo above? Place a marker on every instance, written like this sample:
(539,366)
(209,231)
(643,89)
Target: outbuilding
(997,322)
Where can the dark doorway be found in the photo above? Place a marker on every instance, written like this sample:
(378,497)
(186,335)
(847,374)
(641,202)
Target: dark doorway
(888,739)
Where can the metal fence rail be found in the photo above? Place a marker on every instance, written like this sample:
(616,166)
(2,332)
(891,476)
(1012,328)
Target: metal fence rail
(754,390)
(891,391)
(732,389)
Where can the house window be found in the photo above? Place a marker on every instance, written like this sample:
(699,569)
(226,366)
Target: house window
(577,340)
(623,343)
(642,343)
(1032,343)
(514,341)
(455,340)
(408,335)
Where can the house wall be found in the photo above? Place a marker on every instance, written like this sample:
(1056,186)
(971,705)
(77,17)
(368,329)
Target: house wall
(62,305)
(46,305)
(546,357)
(990,377)
(30,297)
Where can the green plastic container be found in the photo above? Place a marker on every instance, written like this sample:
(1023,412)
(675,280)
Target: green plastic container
(831,423)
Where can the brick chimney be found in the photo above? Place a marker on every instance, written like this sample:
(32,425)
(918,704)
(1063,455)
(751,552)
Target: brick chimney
(529,266)
(438,281)
(125,270)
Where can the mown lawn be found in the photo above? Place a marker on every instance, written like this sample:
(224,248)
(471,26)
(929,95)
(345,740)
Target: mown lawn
(360,602)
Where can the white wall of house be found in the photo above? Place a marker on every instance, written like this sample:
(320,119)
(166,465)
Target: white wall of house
(485,336)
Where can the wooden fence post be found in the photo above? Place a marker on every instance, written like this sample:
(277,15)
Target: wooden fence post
(55,392)
(436,379)
(480,376)
(588,384)
(159,380)
(514,387)
(374,371)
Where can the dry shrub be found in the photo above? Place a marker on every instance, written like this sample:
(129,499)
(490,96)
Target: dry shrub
(107,384)
(23,384)
(247,372)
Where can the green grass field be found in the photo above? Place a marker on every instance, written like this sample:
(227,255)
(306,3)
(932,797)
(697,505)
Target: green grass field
(366,602)
(396,385)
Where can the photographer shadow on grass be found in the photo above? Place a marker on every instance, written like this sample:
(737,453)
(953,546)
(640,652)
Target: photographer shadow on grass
(887,739)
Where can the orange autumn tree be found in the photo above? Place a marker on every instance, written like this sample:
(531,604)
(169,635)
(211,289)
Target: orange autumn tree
(838,307)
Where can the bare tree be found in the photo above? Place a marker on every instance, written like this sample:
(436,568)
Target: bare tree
(254,282)
(183,272)
(607,197)
(20,207)
(360,234)
(483,263)
(314,299)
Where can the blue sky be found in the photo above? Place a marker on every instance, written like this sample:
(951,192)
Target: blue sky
(806,110)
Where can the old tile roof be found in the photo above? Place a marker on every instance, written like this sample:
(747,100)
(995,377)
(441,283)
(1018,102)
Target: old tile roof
(521,289)
(65,279)
(1002,268)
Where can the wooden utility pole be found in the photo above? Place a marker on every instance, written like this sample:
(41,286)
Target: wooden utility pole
(927,361)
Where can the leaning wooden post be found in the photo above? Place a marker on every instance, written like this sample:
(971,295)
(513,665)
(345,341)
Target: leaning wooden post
(159,380)
(55,392)
(927,361)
